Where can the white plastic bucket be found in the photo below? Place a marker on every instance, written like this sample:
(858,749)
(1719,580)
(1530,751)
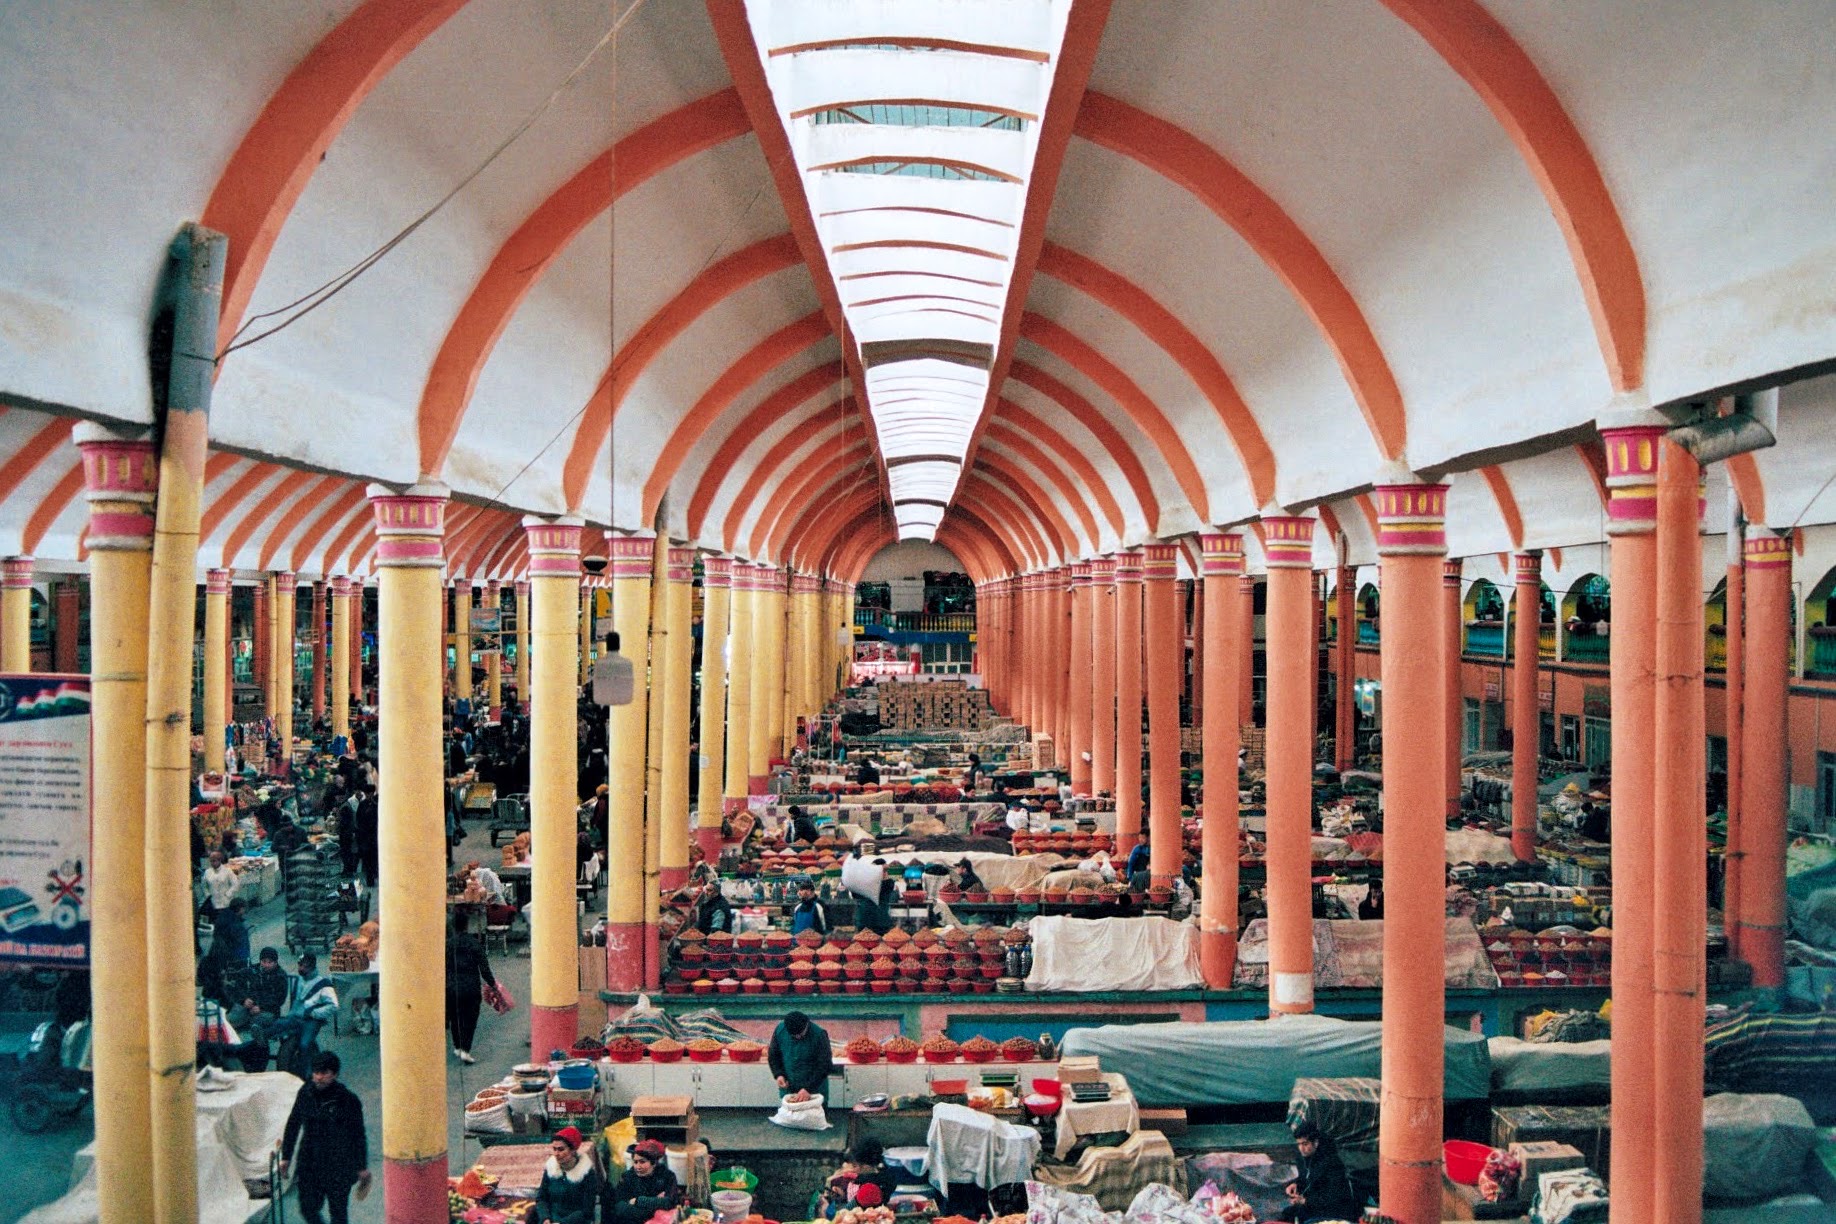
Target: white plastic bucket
(731,1206)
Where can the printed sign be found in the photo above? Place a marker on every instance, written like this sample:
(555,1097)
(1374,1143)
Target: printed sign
(487,620)
(44,820)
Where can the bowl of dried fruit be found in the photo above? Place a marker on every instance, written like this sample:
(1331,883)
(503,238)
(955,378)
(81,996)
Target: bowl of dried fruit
(900,1050)
(745,1051)
(625,1050)
(979,1049)
(863,1050)
(939,1050)
(705,1050)
(666,1050)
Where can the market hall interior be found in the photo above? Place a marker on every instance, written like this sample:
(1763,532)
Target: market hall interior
(1410,420)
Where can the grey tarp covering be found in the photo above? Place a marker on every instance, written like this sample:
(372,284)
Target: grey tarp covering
(1527,1066)
(1246,1061)
(1754,1145)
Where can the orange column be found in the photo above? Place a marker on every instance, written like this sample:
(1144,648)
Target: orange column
(1103,676)
(1288,548)
(1165,649)
(1526,718)
(1080,679)
(1680,844)
(1128,701)
(1195,691)
(1734,683)
(1246,679)
(261,637)
(1411,538)
(319,649)
(1026,655)
(1345,715)
(1631,455)
(1223,562)
(1061,664)
(1455,704)
(1763,835)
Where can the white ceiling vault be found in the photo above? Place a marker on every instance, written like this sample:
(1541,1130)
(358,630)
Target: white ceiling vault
(1036,280)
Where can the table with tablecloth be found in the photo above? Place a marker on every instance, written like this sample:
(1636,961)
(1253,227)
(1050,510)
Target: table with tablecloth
(1120,1114)
(966,1146)
(258,879)
(1113,1176)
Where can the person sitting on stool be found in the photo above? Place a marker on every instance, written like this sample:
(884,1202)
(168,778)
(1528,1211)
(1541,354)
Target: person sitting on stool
(571,1186)
(647,1187)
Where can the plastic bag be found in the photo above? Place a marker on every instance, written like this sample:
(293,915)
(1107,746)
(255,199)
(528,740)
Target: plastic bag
(497,997)
(618,1137)
(736,1178)
(802,1115)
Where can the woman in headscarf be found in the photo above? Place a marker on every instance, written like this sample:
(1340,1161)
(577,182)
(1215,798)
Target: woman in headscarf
(1323,1189)
(647,1187)
(571,1187)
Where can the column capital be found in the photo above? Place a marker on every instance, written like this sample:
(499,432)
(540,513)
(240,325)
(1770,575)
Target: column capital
(1528,565)
(522,589)
(120,483)
(1766,549)
(554,546)
(1129,564)
(285,578)
(1080,574)
(1631,446)
(1451,572)
(1159,562)
(217,582)
(1103,571)
(1411,519)
(410,525)
(716,572)
(340,586)
(1287,541)
(1222,554)
(492,588)
(679,565)
(630,555)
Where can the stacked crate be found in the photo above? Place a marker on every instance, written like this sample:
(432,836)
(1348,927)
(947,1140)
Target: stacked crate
(949,705)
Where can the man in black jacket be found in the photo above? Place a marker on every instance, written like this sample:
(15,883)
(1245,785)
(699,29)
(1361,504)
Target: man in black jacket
(325,1132)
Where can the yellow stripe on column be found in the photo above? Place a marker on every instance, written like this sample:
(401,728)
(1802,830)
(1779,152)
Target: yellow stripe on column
(627,730)
(554,962)
(716,612)
(678,680)
(739,687)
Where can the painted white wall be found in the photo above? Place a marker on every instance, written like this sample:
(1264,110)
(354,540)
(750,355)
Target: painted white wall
(910,559)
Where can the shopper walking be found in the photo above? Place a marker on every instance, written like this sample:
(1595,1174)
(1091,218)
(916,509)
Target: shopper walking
(468,971)
(325,1144)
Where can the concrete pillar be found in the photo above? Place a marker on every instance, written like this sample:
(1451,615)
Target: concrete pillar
(1734,721)
(1526,717)
(462,639)
(16,615)
(774,601)
(1288,549)
(1631,458)
(1082,689)
(1128,700)
(739,689)
(1103,675)
(319,646)
(1060,673)
(216,666)
(588,647)
(1195,681)
(286,590)
(1024,653)
(410,529)
(341,656)
(1452,627)
(1763,718)
(628,729)
(1411,539)
(1165,649)
(1679,843)
(120,479)
(271,630)
(67,614)
(1246,680)
(716,617)
(1345,656)
(261,642)
(550,612)
(524,613)
(1218,911)
(759,718)
(678,683)
(494,658)
(357,642)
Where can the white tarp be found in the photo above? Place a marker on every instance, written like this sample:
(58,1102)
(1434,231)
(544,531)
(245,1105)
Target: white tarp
(1089,954)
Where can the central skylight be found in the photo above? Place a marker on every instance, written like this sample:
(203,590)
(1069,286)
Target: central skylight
(914,124)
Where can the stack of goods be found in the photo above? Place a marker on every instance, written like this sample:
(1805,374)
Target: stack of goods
(353,953)
(822,859)
(1559,956)
(1062,843)
(313,919)
(1045,755)
(212,821)
(516,851)
(948,704)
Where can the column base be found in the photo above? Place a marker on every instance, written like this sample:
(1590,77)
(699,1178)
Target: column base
(709,839)
(414,1191)
(758,784)
(1523,844)
(1218,958)
(653,950)
(1409,1190)
(552,1028)
(624,957)
(731,805)
(669,879)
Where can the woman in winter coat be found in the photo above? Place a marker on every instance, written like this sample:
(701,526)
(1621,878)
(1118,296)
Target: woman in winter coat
(647,1187)
(571,1186)
(468,970)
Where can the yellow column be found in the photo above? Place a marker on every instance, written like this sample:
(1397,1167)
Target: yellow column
(776,629)
(677,682)
(356,662)
(587,644)
(758,720)
(411,807)
(628,728)
(523,614)
(120,477)
(16,615)
(554,965)
(793,665)
(286,587)
(716,614)
(341,656)
(462,639)
(269,628)
(653,756)
(494,659)
(739,689)
(216,663)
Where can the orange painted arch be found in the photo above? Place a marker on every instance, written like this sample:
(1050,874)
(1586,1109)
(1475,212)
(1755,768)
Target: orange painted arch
(1179,342)
(49,510)
(32,452)
(227,501)
(1507,503)
(1107,435)
(1593,458)
(247,524)
(1010,439)
(354,501)
(810,537)
(770,410)
(978,490)
(816,471)
(1017,420)
(1006,557)
(1025,490)
(1184,159)
(543,235)
(765,472)
(300,512)
(705,292)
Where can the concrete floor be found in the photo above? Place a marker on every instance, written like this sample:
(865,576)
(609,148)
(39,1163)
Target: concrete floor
(39,1165)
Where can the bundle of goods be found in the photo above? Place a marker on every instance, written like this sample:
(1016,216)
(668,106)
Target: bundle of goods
(948,704)
(348,957)
(1559,956)
(313,914)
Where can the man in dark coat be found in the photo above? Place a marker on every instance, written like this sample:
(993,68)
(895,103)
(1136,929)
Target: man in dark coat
(325,1144)
(648,1186)
(1323,1189)
(800,1057)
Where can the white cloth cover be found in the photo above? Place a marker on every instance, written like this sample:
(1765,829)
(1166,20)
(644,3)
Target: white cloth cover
(862,877)
(966,1145)
(1078,1119)
(1085,954)
(1478,846)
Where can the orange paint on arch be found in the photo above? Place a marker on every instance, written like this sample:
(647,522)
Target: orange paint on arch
(49,509)
(1004,435)
(975,510)
(1008,413)
(1182,158)
(816,471)
(294,516)
(247,524)
(1507,504)
(1593,459)
(813,531)
(1478,47)
(353,498)
(1085,413)
(1744,475)
(230,498)
(970,519)
(705,292)
(543,235)
(1180,343)
(1027,492)
(348,533)
(979,490)
(1147,416)
(771,409)
(1334,529)
(1368,509)
(31,453)
(760,360)
(270,169)
(767,467)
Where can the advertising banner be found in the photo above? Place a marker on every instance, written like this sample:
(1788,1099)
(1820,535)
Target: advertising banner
(44,820)
(487,620)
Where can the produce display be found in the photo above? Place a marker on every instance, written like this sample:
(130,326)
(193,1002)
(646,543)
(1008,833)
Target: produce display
(863,1050)
(899,1049)
(864,1215)
(979,1049)
(939,1049)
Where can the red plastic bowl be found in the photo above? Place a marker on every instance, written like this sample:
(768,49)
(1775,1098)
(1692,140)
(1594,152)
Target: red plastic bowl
(910,1056)
(881,986)
(708,1056)
(1464,1159)
(625,1056)
(981,1056)
(745,1056)
(855,986)
(778,987)
(933,1057)
(666,1056)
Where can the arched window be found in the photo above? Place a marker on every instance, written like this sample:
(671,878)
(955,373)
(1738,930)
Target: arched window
(1586,613)
(1369,615)
(1484,611)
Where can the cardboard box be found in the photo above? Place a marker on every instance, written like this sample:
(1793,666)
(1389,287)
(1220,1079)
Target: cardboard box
(1547,1156)
(1168,1122)
(1586,1128)
(1079,1069)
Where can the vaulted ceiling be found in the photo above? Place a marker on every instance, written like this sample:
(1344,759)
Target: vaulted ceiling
(793,279)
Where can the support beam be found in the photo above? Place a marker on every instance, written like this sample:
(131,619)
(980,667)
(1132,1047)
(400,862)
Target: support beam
(1081,681)
(286,618)
(739,690)
(1218,909)
(1763,802)
(626,900)
(716,617)
(678,682)
(1526,717)
(1103,675)
(319,647)
(1288,747)
(494,658)
(16,616)
(340,656)
(525,619)
(550,609)
(1165,649)
(1455,702)
(1128,700)
(1345,710)
(216,664)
